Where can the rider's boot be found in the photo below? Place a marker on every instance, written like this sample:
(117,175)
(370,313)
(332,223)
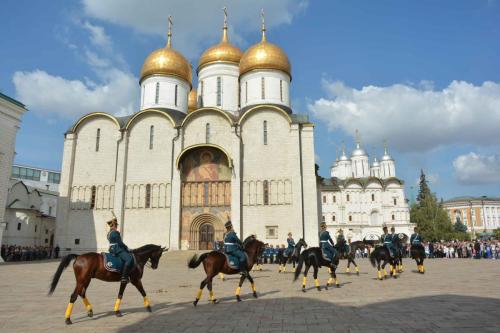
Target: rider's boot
(125,275)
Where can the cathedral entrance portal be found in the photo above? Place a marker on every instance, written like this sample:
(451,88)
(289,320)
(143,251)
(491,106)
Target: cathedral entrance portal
(206,237)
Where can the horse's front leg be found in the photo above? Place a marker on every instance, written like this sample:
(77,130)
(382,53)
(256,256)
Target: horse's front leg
(138,284)
(316,281)
(304,281)
(200,291)
(238,290)
(123,285)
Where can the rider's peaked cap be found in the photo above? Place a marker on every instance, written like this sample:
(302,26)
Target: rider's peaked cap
(322,224)
(112,221)
(228,224)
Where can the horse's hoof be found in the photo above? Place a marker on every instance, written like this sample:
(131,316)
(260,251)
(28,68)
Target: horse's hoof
(68,321)
(303,289)
(118,314)
(195,302)
(319,288)
(357,273)
(238,298)
(337,285)
(326,287)
(90,314)
(255,294)
(215,301)
(149,309)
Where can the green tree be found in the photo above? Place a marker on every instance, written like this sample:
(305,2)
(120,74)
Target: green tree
(429,215)
(497,233)
(460,227)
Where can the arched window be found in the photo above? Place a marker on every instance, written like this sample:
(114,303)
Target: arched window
(323,218)
(265,131)
(97,139)
(151,136)
(147,204)
(281,90)
(175,97)
(333,218)
(347,197)
(157,93)
(334,199)
(207,133)
(266,192)
(395,202)
(392,217)
(19,226)
(350,218)
(324,199)
(263,88)
(219,91)
(373,197)
(92,197)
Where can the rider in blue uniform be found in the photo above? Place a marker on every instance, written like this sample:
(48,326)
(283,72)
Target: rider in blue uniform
(415,238)
(387,240)
(341,241)
(234,247)
(291,245)
(119,249)
(326,242)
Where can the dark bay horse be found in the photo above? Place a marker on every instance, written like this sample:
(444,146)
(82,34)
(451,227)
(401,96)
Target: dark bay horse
(399,242)
(381,255)
(313,257)
(294,257)
(417,252)
(215,262)
(351,254)
(90,266)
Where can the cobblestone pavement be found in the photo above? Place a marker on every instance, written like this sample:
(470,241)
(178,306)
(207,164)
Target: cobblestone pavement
(453,296)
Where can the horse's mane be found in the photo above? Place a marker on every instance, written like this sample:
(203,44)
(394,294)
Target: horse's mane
(146,248)
(248,239)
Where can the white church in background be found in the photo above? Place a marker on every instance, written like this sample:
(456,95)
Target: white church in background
(190,159)
(361,197)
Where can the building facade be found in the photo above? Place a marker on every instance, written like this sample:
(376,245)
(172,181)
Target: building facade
(479,214)
(10,119)
(40,178)
(190,159)
(361,198)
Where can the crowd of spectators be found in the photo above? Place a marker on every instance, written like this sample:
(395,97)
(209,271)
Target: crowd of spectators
(478,249)
(28,253)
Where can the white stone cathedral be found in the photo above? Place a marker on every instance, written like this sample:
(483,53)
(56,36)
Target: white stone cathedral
(361,198)
(190,159)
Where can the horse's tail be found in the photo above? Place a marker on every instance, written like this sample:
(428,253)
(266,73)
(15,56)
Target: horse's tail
(299,266)
(196,261)
(65,261)
(372,258)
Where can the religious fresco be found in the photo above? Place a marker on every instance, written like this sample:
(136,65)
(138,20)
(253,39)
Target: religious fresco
(205,164)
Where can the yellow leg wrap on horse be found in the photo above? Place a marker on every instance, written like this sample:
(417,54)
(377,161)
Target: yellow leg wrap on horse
(347,270)
(284,268)
(254,288)
(329,270)
(357,269)
(423,270)
(304,281)
(316,282)
(69,309)
(198,294)
(337,282)
(146,301)
(212,296)
(330,281)
(87,304)
(385,272)
(117,304)
(238,290)
(379,274)
(221,275)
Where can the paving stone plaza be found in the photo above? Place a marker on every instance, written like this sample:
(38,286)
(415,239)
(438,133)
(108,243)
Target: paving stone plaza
(453,296)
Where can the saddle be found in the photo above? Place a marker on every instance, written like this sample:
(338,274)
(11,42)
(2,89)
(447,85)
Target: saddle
(113,263)
(233,261)
(323,254)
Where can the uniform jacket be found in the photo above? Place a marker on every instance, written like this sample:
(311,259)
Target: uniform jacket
(116,245)
(232,243)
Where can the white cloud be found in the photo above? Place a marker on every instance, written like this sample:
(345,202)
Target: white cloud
(474,168)
(196,23)
(98,36)
(116,94)
(413,119)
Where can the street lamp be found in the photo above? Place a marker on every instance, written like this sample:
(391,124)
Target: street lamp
(473,236)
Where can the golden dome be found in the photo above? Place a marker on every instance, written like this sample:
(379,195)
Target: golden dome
(167,61)
(265,55)
(192,100)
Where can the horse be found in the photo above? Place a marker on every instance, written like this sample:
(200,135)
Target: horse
(314,257)
(215,262)
(91,265)
(381,254)
(351,254)
(417,252)
(399,242)
(282,260)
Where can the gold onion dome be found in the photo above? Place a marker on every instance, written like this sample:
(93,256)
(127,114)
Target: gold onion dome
(192,100)
(167,61)
(265,55)
(222,52)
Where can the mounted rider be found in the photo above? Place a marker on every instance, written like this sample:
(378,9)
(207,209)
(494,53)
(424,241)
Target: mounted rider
(344,248)
(233,246)
(326,243)
(387,241)
(119,249)
(415,238)
(291,246)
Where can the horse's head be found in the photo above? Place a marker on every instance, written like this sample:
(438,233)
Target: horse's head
(303,243)
(150,253)
(253,246)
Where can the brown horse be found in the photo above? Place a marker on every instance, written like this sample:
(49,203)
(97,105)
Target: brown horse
(215,262)
(91,265)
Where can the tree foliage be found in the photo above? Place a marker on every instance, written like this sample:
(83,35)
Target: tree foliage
(459,226)
(430,216)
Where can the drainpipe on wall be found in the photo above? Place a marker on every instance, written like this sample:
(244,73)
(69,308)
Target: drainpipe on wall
(241,178)
(171,189)
(301,182)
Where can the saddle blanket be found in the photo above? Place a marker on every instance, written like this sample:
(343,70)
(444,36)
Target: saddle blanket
(113,263)
(233,261)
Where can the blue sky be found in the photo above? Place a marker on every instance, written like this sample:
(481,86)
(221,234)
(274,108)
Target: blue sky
(425,75)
